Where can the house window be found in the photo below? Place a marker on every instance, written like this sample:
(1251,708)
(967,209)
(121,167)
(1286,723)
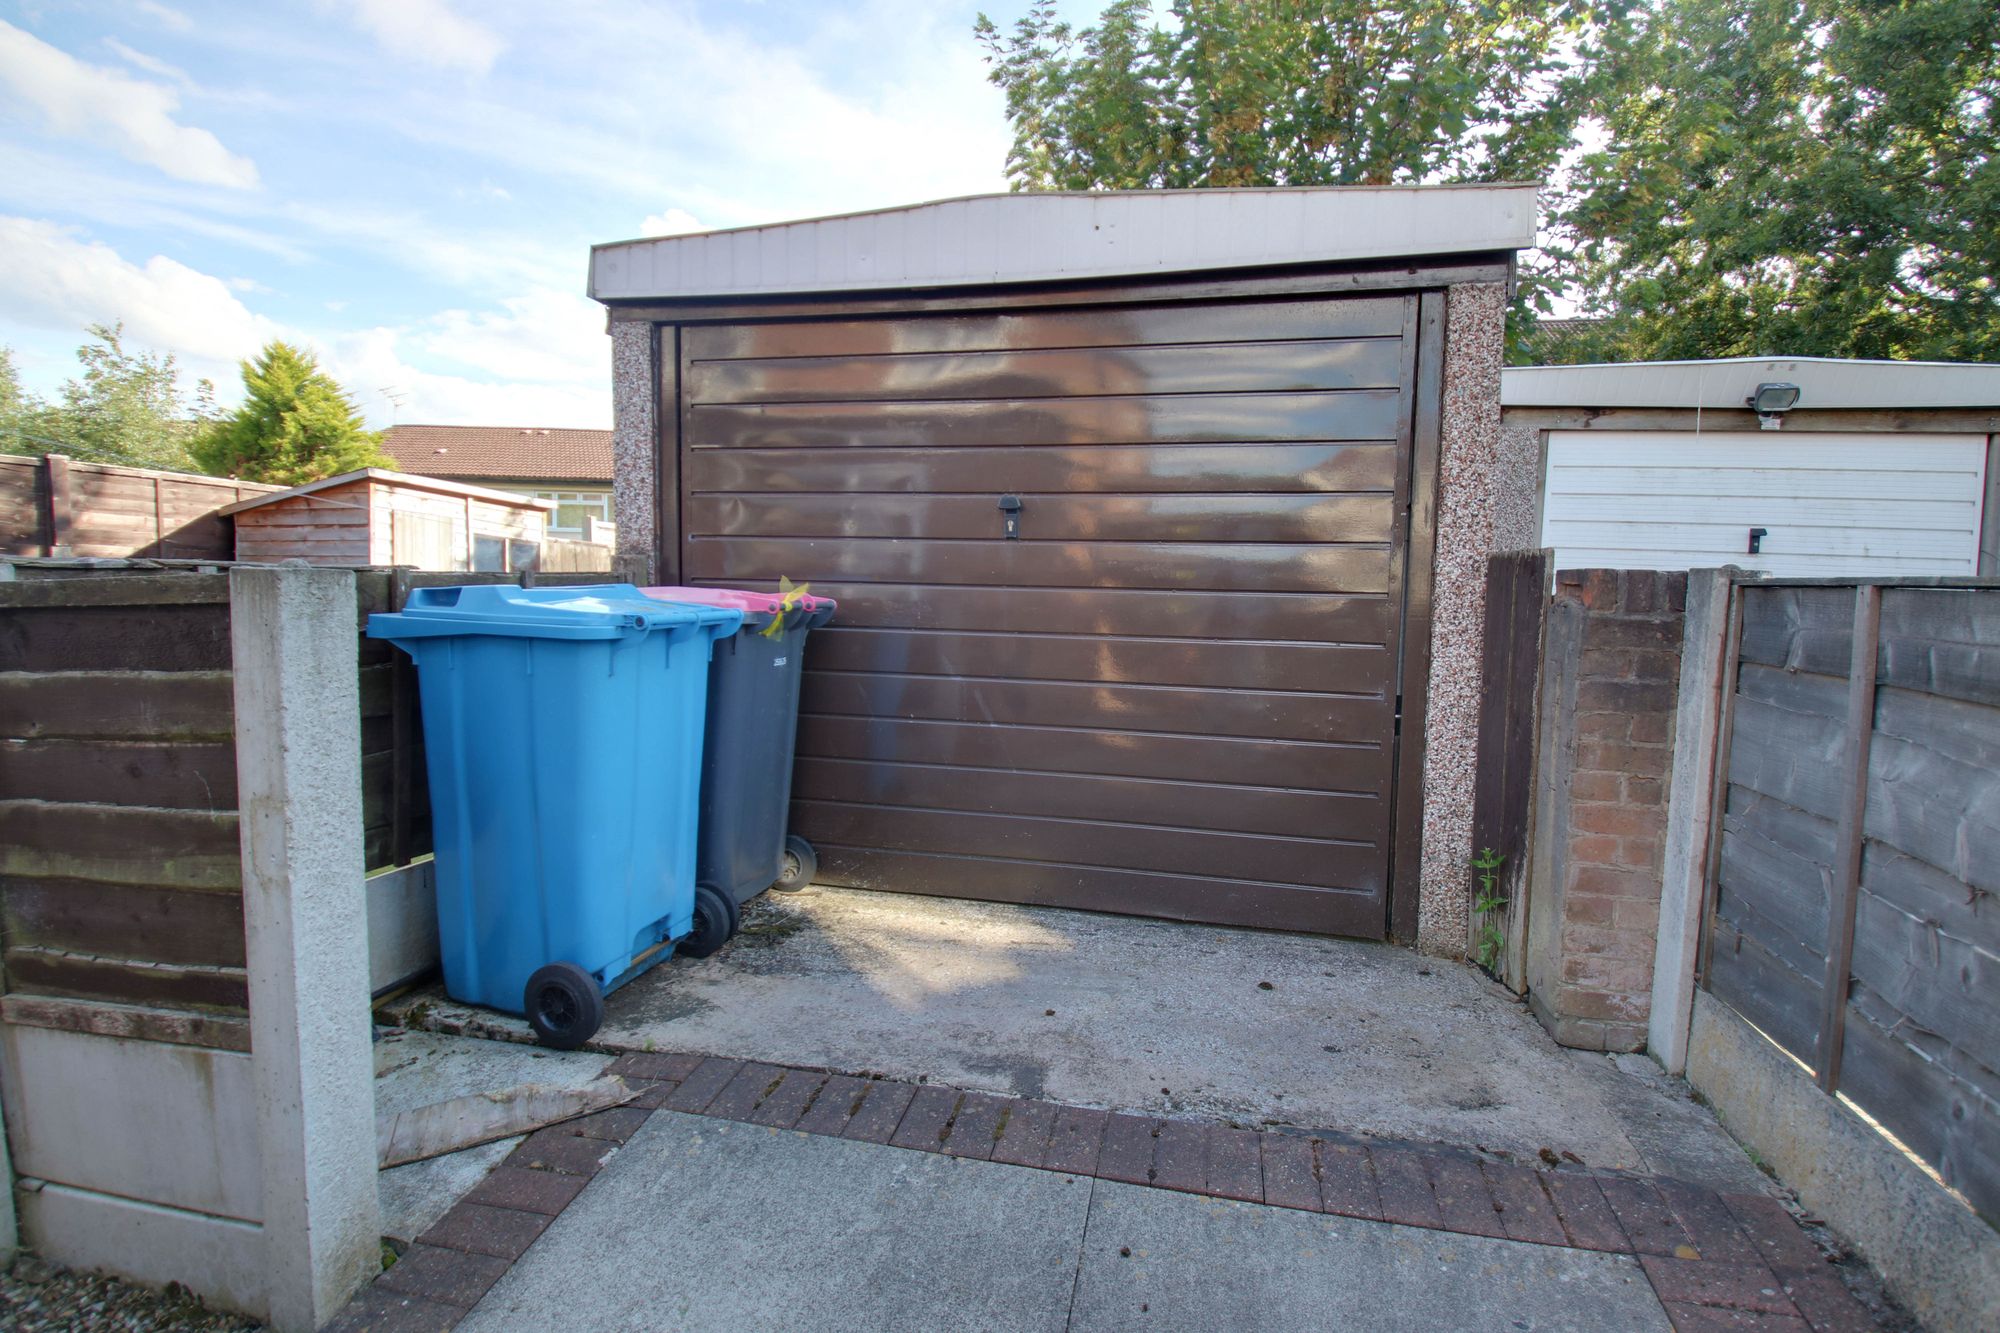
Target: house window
(572,507)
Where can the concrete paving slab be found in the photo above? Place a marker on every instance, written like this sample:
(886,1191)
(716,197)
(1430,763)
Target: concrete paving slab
(1160,1260)
(1157,1017)
(1676,1135)
(706,1224)
(414,1069)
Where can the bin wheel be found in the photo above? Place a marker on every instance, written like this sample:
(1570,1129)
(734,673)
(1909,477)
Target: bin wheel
(729,900)
(800,864)
(564,1005)
(712,918)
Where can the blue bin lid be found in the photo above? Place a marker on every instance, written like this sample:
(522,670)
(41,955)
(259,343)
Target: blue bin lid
(602,611)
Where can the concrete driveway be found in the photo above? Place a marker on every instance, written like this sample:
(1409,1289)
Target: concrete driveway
(1254,1028)
(730,1193)
(888,1112)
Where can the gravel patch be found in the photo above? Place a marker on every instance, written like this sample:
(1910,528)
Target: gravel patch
(38,1297)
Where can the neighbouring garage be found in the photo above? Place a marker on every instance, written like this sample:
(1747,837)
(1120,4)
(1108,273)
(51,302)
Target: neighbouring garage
(1130,503)
(1877,468)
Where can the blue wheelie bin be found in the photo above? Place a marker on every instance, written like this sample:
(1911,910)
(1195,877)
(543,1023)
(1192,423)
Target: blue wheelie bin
(563,728)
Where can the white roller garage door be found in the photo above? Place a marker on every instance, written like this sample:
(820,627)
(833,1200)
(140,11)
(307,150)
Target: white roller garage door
(1831,505)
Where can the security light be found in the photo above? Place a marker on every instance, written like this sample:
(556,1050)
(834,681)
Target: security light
(1771,402)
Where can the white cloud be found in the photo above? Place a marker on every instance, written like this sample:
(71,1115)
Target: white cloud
(673,222)
(540,359)
(57,280)
(750,127)
(429,32)
(546,336)
(171,19)
(374,359)
(57,184)
(128,115)
(480,258)
(153,65)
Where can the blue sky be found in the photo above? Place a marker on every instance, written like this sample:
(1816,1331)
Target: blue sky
(411,187)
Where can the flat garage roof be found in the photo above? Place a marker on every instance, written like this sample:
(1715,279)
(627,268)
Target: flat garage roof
(1824,382)
(1042,237)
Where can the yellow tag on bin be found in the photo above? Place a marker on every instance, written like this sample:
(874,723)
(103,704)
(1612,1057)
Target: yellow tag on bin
(790,595)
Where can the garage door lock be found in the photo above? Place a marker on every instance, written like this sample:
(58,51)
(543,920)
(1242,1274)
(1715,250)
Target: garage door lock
(1010,516)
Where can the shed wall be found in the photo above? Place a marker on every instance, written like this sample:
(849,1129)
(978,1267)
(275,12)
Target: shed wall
(357,524)
(329,527)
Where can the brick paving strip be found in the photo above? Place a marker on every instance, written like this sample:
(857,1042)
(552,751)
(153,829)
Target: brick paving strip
(1716,1261)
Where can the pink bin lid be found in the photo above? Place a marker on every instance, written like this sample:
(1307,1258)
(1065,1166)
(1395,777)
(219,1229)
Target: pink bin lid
(740,599)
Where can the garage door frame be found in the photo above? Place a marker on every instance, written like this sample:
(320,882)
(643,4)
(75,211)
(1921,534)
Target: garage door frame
(1427,281)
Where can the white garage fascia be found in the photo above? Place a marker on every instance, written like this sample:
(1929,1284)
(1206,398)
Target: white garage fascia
(1048,236)
(1825,383)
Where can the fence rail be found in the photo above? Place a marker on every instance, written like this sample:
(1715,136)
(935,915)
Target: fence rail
(1852,914)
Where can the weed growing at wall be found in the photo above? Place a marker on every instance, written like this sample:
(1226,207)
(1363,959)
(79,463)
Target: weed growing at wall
(1488,902)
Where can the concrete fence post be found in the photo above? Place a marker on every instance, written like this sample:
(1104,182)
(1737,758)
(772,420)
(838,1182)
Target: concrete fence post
(298,751)
(1690,811)
(10,1222)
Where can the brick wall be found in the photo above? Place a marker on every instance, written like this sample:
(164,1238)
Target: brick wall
(1611,682)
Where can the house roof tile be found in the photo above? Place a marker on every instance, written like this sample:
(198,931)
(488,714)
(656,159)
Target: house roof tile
(502,453)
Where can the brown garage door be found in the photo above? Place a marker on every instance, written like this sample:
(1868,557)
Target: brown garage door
(1175,693)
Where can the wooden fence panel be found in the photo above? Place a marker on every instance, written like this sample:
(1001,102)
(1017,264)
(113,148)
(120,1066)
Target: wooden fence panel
(120,876)
(23,517)
(1854,906)
(560,556)
(120,892)
(1799,628)
(58,506)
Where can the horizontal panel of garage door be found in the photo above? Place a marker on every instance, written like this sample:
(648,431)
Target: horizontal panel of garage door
(1209,469)
(1174,692)
(1295,765)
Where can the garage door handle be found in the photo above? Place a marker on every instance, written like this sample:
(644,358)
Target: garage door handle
(1010,516)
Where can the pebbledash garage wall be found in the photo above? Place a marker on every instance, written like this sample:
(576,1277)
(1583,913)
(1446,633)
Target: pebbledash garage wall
(1143,369)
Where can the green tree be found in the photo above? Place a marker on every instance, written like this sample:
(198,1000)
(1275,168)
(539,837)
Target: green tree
(13,403)
(126,407)
(296,425)
(1812,177)
(1289,92)
(1801,177)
